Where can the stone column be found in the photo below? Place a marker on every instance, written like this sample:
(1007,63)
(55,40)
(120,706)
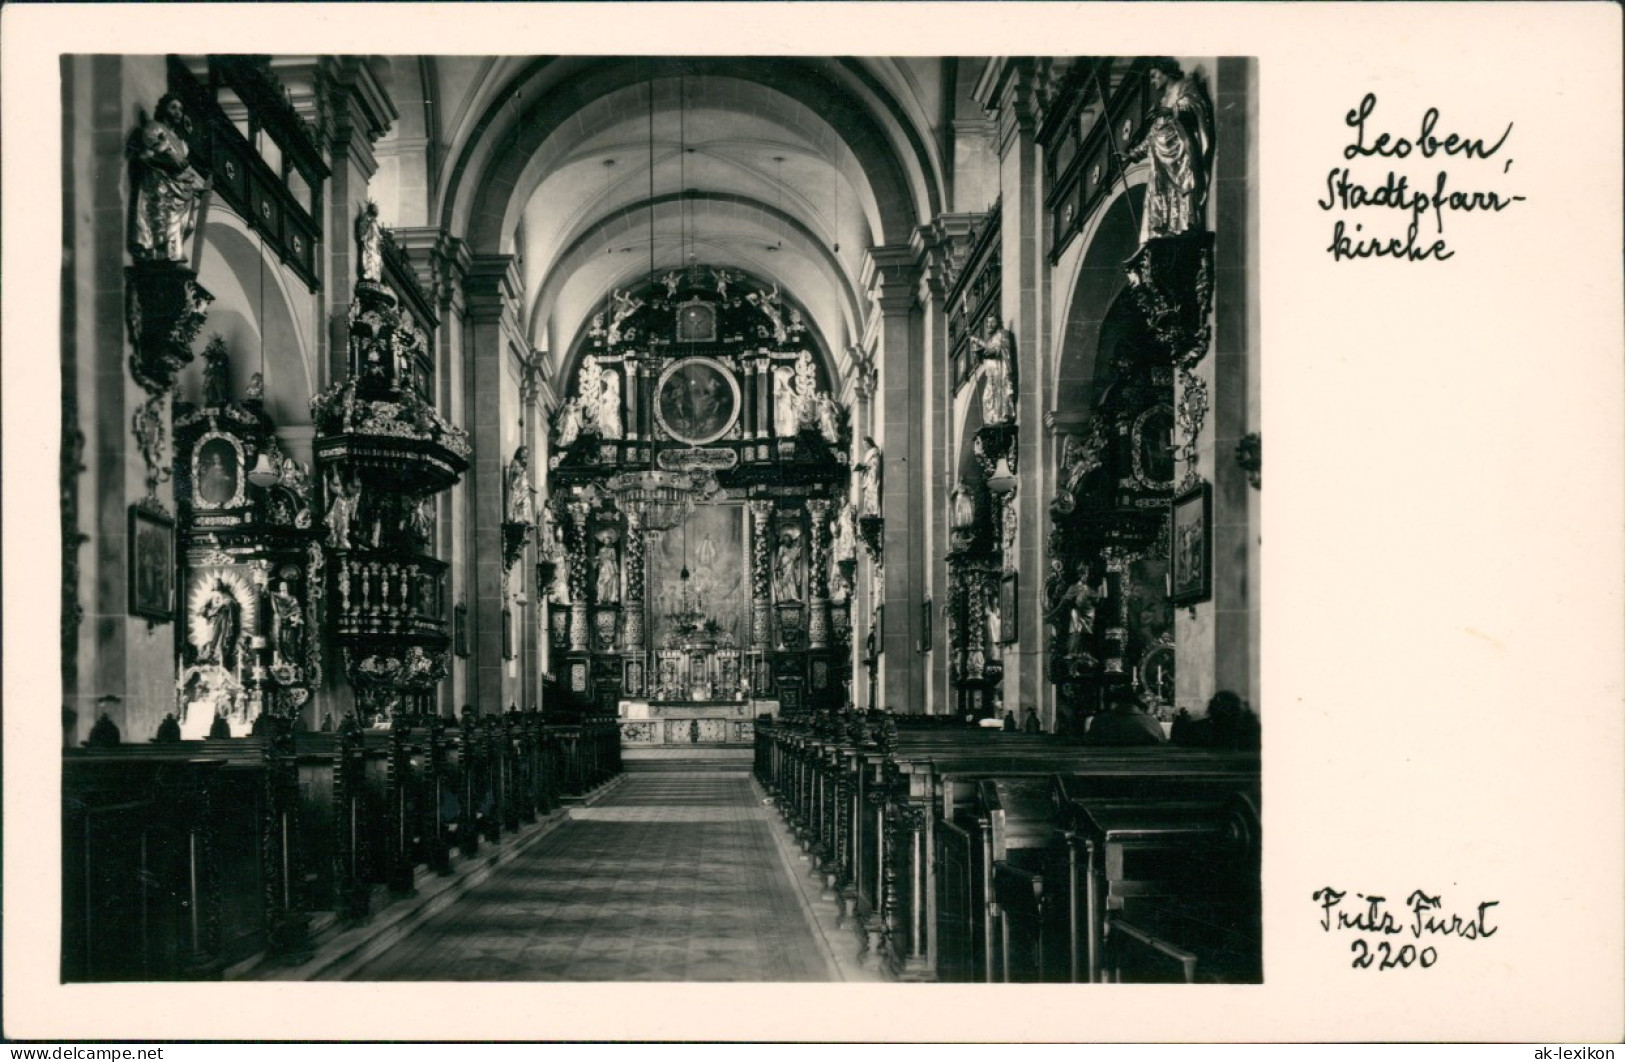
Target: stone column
(862,605)
(935,247)
(761,567)
(818,574)
(1023,303)
(490,335)
(1218,639)
(891,277)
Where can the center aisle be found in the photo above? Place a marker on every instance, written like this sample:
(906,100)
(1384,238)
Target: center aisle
(673,877)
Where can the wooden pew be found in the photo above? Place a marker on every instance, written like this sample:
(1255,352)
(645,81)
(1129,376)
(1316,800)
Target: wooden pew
(1171,880)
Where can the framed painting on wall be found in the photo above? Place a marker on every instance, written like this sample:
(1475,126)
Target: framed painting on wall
(152,564)
(1191,544)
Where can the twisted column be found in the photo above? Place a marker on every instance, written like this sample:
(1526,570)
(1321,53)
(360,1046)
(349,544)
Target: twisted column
(632,608)
(579,633)
(761,627)
(818,575)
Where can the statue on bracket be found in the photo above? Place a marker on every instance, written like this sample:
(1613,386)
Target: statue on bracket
(1179,142)
(521,506)
(168,189)
(996,347)
(871,468)
(216,373)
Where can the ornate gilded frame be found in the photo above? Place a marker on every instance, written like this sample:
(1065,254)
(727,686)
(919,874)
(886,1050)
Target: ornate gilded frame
(240,497)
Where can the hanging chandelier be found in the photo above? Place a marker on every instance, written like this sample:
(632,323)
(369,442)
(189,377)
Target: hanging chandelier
(664,498)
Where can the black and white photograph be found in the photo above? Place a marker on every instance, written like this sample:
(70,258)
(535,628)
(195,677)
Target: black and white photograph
(527,447)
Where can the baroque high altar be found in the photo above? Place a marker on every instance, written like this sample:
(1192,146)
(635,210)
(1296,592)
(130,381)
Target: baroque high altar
(697,540)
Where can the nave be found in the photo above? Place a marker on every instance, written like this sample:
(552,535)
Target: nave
(675,875)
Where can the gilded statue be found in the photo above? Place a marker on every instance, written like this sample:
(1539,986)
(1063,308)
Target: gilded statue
(626,304)
(1178,140)
(287,624)
(609,574)
(996,348)
(786,419)
(168,189)
(521,506)
(844,543)
(788,569)
(871,468)
(609,405)
(369,244)
(567,424)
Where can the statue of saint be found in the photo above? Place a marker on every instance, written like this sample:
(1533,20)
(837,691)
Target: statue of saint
(963,517)
(1077,607)
(567,424)
(369,245)
(421,524)
(589,389)
(609,575)
(996,347)
(829,418)
(1178,140)
(341,510)
(786,421)
(287,624)
(872,460)
(168,189)
(787,569)
(521,506)
(844,543)
(806,391)
(216,374)
(221,614)
(609,405)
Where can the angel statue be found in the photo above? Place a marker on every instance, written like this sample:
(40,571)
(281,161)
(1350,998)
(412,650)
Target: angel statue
(996,347)
(626,304)
(168,189)
(1178,140)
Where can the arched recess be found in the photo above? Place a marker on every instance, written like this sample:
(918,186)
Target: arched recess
(552,324)
(233,267)
(1108,242)
(499,166)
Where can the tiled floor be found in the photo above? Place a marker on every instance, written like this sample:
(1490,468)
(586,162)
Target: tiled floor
(674,877)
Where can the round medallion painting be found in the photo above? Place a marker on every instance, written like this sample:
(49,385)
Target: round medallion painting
(696,400)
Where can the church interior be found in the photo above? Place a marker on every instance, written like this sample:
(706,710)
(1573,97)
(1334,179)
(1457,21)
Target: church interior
(605,518)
